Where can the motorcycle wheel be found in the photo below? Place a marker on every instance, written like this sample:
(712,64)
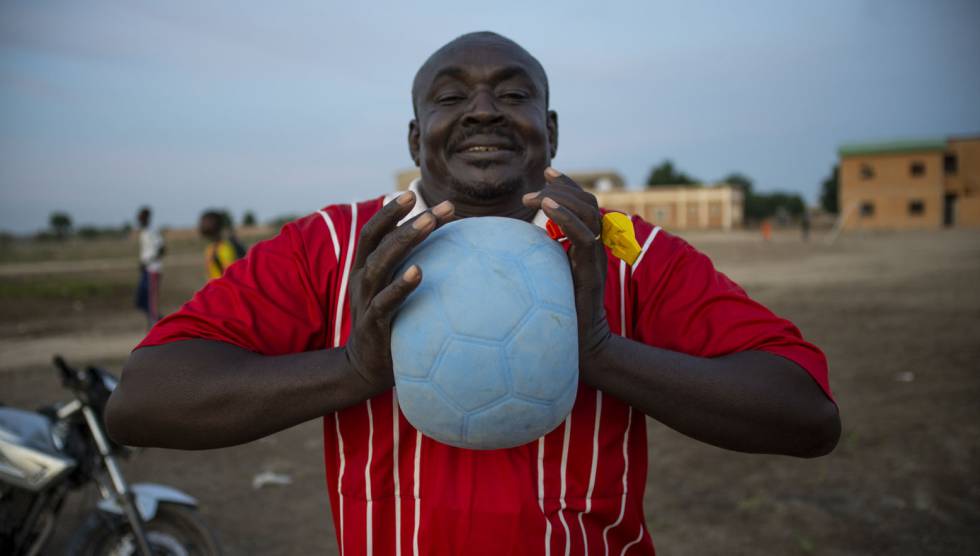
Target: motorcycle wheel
(174,531)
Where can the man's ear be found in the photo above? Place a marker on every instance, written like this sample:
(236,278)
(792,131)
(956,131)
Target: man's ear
(413,141)
(553,132)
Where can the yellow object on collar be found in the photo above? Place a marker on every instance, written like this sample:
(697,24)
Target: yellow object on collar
(618,235)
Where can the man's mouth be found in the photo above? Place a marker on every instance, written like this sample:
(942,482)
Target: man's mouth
(486,150)
(483,149)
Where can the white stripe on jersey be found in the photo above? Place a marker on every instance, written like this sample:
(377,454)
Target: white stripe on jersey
(418,498)
(595,462)
(341,297)
(547,522)
(367,481)
(626,468)
(564,483)
(333,233)
(646,246)
(340,479)
(632,542)
(396,478)
(622,299)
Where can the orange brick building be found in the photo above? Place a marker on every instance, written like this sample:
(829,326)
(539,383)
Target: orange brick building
(926,184)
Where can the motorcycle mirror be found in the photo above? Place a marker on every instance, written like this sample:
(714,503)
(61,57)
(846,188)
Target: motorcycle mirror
(70,378)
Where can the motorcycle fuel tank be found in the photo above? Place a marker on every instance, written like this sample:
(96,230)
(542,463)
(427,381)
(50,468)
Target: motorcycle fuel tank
(28,457)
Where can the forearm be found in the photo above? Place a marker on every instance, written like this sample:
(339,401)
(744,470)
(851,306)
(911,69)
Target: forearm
(200,394)
(749,402)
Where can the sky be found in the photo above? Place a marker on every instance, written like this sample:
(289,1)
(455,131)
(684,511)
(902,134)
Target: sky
(282,108)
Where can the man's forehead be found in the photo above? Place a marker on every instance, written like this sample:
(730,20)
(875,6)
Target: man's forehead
(478,54)
(481,52)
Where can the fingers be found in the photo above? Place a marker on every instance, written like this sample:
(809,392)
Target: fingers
(557,178)
(396,245)
(586,254)
(380,225)
(395,293)
(576,230)
(570,195)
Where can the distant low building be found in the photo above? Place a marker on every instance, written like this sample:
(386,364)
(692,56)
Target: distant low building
(710,207)
(921,184)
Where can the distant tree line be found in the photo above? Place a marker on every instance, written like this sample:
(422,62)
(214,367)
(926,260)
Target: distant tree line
(758,206)
(61,227)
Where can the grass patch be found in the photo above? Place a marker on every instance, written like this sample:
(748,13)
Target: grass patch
(61,288)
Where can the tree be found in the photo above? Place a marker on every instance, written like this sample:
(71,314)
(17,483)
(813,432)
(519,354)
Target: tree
(740,181)
(248,219)
(829,191)
(282,220)
(665,174)
(60,223)
(759,206)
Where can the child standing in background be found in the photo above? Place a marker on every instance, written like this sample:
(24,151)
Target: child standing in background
(152,249)
(223,248)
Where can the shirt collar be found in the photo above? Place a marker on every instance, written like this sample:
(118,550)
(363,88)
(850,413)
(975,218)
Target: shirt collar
(540,219)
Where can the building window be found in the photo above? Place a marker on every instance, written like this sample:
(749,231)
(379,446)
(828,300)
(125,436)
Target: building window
(950,164)
(867,172)
(917,168)
(917,207)
(867,209)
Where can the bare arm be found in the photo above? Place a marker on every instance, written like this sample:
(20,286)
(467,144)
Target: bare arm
(201,394)
(751,401)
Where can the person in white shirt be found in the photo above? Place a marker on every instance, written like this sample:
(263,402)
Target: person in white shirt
(151,265)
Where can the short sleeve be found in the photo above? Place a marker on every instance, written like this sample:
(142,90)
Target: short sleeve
(271,302)
(684,304)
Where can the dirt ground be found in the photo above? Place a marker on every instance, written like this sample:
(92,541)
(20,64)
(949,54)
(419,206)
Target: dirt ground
(897,315)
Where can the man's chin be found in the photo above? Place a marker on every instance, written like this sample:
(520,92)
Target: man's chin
(487,189)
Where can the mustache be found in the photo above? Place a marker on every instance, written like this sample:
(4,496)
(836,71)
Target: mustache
(468,133)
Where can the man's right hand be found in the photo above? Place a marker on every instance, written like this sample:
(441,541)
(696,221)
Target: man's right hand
(375,293)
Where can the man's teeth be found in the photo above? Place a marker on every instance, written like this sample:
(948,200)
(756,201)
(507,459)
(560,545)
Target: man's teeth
(481,149)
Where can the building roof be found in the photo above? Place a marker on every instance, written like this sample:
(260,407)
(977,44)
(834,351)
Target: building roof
(892,147)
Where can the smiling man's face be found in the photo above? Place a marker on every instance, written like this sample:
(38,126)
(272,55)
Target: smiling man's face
(483,134)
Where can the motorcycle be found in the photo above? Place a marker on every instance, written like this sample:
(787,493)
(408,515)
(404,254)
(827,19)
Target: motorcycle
(46,454)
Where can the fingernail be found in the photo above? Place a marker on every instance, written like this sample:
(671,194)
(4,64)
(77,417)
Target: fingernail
(405,198)
(444,208)
(412,274)
(424,221)
(551,172)
(548,202)
(530,196)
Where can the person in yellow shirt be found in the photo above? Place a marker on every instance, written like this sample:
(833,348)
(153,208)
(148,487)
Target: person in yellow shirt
(223,248)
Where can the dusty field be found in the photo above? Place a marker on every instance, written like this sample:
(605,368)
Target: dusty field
(897,315)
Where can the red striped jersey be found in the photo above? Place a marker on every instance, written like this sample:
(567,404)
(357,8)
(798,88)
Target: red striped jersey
(577,490)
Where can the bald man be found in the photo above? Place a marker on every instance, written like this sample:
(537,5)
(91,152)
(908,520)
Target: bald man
(301,329)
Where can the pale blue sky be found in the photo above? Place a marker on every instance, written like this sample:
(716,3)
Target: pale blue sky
(285,107)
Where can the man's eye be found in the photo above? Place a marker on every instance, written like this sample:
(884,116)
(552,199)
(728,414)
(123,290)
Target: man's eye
(449,99)
(514,96)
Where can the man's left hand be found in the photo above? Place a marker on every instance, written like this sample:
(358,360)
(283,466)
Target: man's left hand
(576,211)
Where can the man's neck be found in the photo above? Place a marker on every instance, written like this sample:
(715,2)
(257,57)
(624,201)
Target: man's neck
(511,207)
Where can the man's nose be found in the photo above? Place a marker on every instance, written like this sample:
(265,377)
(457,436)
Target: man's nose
(482,110)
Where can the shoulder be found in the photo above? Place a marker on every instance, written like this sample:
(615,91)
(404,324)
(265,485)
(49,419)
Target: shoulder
(328,229)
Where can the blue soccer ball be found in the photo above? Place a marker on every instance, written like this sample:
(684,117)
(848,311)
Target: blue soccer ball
(485,350)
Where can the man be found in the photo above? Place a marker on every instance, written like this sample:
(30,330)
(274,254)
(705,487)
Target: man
(223,248)
(301,329)
(151,265)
